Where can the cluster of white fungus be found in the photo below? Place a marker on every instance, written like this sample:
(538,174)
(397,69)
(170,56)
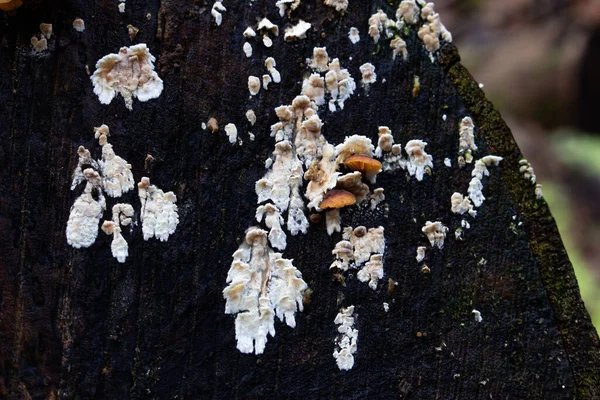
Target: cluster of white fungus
(79,25)
(431,31)
(261,284)
(283,5)
(466,142)
(216,11)
(266,28)
(339,5)
(121,6)
(129,73)
(354,35)
(368,74)
(337,83)
(378,24)
(297,31)
(526,170)
(159,214)
(111,175)
(122,214)
(436,233)
(418,162)
(346,342)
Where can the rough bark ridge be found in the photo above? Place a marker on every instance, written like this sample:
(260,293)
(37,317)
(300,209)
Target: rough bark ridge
(77,324)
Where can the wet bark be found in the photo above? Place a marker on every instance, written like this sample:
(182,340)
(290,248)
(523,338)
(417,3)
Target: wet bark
(78,324)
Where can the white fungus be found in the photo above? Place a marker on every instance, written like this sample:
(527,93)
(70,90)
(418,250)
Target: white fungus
(253,85)
(477,316)
(159,214)
(216,10)
(466,144)
(273,221)
(372,271)
(376,197)
(480,170)
(121,215)
(399,47)
(283,5)
(354,35)
(319,60)
(447,162)
(79,25)
(249,33)
(85,214)
(408,11)
(378,24)
(461,205)
(265,27)
(346,343)
(261,284)
(339,5)
(526,169)
(431,31)
(122,7)
(270,65)
(46,30)
(386,307)
(436,233)
(231,131)
(297,31)
(39,45)
(247,47)
(420,253)
(418,160)
(368,73)
(251,117)
(129,73)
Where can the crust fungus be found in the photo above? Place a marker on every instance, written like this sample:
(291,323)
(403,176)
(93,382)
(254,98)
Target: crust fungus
(271,64)
(320,59)
(297,31)
(461,205)
(253,85)
(322,176)
(46,30)
(408,11)
(85,214)
(261,284)
(121,215)
(116,172)
(79,25)
(368,73)
(436,233)
(247,49)
(249,33)
(420,253)
(273,221)
(477,316)
(466,144)
(399,47)
(539,194)
(216,10)
(121,7)
(372,271)
(431,31)
(479,171)
(39,45)
(368,166)
(344,253)
(283,5)
(265,27)
(377,197)
(314,89)
(526,169)
(354,35)
(159,214)
(266,79)
(231,131)
(129,73)
(346,344)
(377,24)
(339,5)
(251,117)
(418,159)
(9,5)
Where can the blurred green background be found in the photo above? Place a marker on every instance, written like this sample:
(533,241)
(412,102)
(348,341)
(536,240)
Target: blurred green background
(539,62)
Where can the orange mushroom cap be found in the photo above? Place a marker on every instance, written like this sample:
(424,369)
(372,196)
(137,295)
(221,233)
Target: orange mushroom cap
(337,198)
(9,5)
(362,163)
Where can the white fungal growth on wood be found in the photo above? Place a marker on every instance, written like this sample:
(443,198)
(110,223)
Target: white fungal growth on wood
(365,242)
(314,88)
(431,31)
(372,271)
(319,60)
(322,174)
(539,194)
(122,7)
(253,85)
(352,145)
(377,197)
(339,5)
(270,64)
(346,344)
(129,73)
(420,253)
(476,186)
(39,45)
(216,10)
(447,162)
(408,11)
(436,233)
(283,5)
(121,215)
(85,214)
(78,25)
(273,221)
(297,31)
(261,284)
(418,160)
(247,47)
(266,79)
(266,27)
(466,143)
(399,47)
(46,30)
(526,170)
(354,35)
(477,316)
(251,117)
(232,133)
(378,23)
(249,33)
(116,172)
(159,214)
(368,73)
(461,205)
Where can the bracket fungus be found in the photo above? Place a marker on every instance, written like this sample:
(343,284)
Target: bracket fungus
(159,214)
(216,11)
(368,73)
(354,35)
(78,25)
(372,271)
(366,165)
(121,215)
(261,284)
(297,31)
(129,73)
(247,47)
(232,133)
(270,64)
(466,144)
(85,214)
(418,160)
(266,27)
(346,344)
(283,5)
(253,85)
(436,233)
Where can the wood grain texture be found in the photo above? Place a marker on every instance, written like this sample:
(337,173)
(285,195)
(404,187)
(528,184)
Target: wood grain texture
(77,324)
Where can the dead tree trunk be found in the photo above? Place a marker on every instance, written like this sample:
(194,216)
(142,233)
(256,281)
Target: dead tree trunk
(75,323)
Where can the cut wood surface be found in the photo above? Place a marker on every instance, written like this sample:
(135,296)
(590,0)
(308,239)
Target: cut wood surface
(76,323)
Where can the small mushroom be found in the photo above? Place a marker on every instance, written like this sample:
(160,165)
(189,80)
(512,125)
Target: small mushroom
(333,201)
(368,166)
(9,5)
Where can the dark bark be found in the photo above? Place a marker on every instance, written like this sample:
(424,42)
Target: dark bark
(77,324)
